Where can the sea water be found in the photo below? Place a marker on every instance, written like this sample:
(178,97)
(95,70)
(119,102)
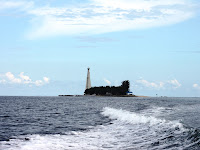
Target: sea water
(99,123)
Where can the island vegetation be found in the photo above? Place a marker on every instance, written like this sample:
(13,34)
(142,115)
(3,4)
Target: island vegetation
(109,90)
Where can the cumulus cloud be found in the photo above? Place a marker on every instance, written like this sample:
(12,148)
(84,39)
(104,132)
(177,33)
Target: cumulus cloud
(46,80)
(103,16)
(196,86)
(159,85)
(26,79)
(107,81)
(174,83)
(148,84)
(39,82)
(10,78)
(3,81)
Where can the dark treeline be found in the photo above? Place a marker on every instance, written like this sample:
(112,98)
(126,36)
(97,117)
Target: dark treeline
(109,90)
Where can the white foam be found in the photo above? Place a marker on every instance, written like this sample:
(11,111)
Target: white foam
(129,130)
(134,118)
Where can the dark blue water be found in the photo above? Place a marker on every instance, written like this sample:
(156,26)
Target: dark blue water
(62,123)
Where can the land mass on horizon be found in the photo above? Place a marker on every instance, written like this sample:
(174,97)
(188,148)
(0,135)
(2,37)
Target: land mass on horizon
(110,90)
(107,90)
(115,91)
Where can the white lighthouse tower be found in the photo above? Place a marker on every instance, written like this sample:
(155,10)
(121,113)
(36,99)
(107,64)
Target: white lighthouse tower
(88,82)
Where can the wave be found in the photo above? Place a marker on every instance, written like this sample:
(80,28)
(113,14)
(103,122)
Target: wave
(126,130)
(134,118)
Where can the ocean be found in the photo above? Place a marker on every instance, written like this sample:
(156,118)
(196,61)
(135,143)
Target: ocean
(99,123)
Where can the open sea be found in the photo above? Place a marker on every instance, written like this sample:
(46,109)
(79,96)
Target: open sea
(99,123)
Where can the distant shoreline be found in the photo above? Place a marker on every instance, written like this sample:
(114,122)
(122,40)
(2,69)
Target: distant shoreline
(103,95)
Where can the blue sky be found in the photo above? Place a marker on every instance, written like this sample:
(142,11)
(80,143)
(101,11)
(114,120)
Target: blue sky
(47,46)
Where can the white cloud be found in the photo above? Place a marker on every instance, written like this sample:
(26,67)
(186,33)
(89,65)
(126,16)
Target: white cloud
(23,79)
(174,84)
(46,80)
(138,4)
(196,86)
(148,84)
(12,78)
(26,79)
(107,81)
(39,83)
(6,4)
(3,81)
(103,16)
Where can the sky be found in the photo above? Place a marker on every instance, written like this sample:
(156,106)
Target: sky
(46,46)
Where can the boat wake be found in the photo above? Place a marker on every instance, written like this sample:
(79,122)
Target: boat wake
(126,130)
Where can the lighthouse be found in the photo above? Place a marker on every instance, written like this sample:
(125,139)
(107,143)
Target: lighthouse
(88,82)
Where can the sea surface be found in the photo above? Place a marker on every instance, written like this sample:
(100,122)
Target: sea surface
(99,123)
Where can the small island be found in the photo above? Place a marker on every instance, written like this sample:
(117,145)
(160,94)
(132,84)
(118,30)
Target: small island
(116,91)
(122,90)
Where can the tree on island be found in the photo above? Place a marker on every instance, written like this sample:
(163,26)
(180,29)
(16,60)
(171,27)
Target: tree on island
(109,90)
